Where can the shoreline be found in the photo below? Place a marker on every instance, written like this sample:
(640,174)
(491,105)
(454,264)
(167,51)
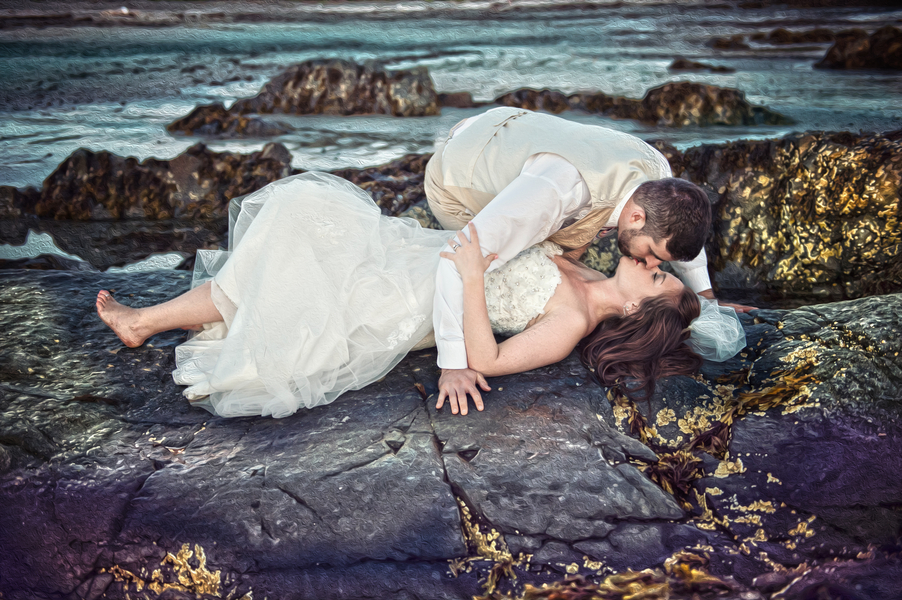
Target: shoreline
(174,13)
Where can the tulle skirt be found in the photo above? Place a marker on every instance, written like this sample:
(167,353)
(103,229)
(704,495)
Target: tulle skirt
(320,294)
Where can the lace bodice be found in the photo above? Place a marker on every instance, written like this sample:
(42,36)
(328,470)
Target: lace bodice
(518,291)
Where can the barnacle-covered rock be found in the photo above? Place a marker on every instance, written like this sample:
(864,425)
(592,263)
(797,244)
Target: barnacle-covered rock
(808,215)
(394,186)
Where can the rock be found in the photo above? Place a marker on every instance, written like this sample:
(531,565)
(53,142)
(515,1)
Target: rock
(458,100)
(547,100)
(196,184)
(141,230)
(856,50)
(215,121)
(333,87)
(111,482)
(685,103)
(677,104)
(47,262)
(14,202)
(338,87)
(782,36)
(616,107)
(781,428)
(395,186)
(105,244)
(684,64)
(812,215)
(733,42)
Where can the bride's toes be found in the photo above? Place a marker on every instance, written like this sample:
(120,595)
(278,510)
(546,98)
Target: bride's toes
(123,320)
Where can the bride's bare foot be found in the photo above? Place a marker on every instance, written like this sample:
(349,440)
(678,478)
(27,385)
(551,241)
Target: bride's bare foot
(123,320)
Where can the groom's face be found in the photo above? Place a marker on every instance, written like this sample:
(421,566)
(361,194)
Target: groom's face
(642,248)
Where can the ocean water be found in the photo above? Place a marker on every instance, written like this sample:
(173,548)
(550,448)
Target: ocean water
(116,88)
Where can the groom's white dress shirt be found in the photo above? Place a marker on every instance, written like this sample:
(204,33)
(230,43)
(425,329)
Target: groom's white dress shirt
(548,194)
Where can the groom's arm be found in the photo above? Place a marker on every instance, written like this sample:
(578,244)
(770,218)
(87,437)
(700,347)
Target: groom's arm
(537,203)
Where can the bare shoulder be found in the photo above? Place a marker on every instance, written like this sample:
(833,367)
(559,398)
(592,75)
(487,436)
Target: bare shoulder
(566,317)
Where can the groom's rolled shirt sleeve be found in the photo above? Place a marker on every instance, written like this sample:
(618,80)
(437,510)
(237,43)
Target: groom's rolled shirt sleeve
(548,192)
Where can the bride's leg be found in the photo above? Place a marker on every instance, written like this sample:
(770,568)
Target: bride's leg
(134,325)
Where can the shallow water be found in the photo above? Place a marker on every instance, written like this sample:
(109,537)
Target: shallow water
(116,88)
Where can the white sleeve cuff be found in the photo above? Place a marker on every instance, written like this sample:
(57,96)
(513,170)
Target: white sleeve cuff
(451,354)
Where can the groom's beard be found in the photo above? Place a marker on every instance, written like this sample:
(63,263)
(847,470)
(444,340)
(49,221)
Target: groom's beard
(625,241)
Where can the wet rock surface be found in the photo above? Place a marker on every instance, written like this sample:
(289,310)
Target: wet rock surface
(776,466)
(677,104)
(857,50)
(819,35)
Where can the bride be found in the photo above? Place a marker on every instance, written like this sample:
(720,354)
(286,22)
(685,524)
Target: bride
(320,293)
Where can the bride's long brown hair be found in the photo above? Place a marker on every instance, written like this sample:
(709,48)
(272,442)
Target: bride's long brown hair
(645,345)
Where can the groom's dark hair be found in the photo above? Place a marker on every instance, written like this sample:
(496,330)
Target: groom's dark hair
(678,211)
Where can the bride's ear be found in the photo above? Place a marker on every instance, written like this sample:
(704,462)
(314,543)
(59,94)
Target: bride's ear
(629,308)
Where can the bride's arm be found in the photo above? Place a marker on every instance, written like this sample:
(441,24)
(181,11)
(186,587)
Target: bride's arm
(547,342)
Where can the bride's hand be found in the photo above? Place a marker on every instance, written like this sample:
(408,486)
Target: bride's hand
(467,255)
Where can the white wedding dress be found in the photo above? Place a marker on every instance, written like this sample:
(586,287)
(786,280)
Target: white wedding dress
(320,294)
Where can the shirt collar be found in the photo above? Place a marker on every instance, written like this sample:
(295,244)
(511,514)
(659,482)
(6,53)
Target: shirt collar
(615,216)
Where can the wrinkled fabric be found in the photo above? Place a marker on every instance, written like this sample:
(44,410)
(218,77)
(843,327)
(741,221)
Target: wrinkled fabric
(320,294)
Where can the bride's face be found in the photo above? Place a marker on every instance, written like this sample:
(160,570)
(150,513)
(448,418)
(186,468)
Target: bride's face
(636,282)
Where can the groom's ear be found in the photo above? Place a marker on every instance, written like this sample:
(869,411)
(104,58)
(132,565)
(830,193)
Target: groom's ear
(636,217)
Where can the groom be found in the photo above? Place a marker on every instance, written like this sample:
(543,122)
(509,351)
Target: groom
(525,177)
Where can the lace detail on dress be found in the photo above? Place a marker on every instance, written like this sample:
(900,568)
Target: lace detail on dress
(406,328)
(518,291)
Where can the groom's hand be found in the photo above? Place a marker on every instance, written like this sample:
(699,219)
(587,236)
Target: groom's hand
(455,384)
